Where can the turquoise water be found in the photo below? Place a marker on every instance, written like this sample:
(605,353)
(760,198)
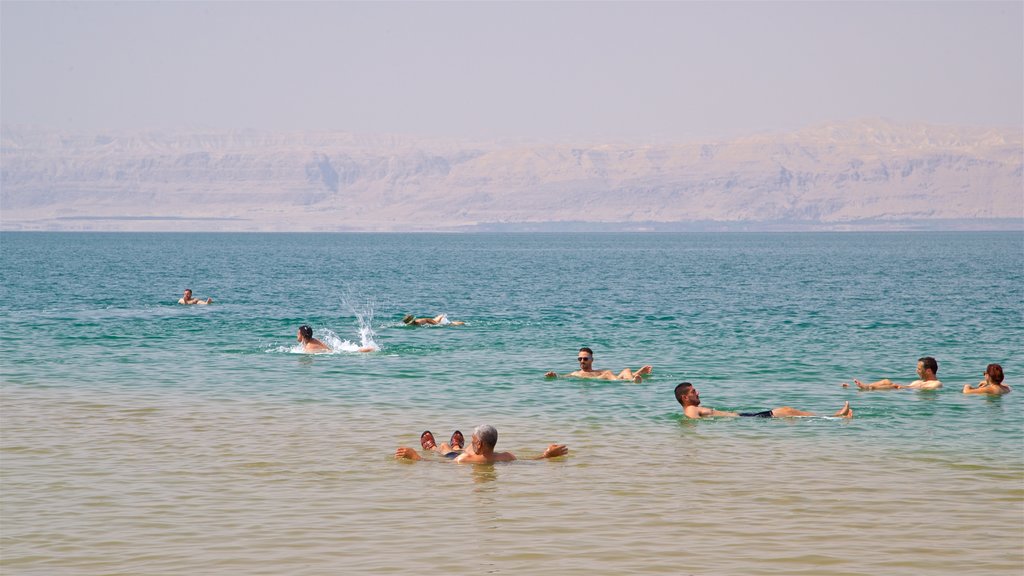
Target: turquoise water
(754,320)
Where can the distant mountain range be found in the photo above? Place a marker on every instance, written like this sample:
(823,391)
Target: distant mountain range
(866,175)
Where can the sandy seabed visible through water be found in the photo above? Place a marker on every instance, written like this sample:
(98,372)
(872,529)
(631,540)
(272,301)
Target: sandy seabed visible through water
(163,484)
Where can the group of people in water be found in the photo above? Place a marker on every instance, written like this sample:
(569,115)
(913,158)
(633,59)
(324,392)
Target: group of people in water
(312,345)
(481,448)
(485,437)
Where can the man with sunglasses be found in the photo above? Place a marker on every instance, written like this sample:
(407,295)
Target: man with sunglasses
(586,360)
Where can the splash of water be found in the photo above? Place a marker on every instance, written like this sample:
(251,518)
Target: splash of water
(367,337)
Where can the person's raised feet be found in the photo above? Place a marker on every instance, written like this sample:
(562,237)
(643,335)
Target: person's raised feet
(845,385)
(458,441)
(845,411)
(645,370)
(427,440)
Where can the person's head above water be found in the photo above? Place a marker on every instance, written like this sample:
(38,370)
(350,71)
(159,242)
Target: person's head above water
(686,394)
(408,319)
(926,364)
(484,438)
(585,357)
(305,332)
(188,293)
(994,373)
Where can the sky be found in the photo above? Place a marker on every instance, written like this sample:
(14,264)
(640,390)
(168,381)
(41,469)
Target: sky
(516,70)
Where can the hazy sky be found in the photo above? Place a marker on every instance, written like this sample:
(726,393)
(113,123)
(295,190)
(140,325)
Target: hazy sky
(675,70)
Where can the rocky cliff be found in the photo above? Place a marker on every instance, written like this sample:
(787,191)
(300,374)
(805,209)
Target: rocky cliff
(862,174)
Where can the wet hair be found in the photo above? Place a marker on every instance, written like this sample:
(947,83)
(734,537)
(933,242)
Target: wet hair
(929,364)
(487,435)
(306,331)
(188,289)
(408,319)
(682,390)
(995,372)
(588,351)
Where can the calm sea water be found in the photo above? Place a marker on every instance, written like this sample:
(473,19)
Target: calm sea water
(142,437)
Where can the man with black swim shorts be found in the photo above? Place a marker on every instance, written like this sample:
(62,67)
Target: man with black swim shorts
(689,399)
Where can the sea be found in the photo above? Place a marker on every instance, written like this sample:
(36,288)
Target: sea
(139,436)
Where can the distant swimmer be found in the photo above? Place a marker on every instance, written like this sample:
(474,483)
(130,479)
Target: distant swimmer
(439,320)
(481,450)
(992,384)
(314,346)
(310,344)
(927,368)
(689,399)
(451,449)
(586,360)
(188,299)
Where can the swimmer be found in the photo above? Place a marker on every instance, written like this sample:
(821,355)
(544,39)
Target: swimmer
(453,448)
(992,384)
(689,399)
(481,449)
(188,299)
(310,344)
(313,346)
(927,368)
(586,360)
(439,320)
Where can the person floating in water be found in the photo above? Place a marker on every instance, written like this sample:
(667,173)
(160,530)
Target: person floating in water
(689,399)
(451,449)
(927,368)
(188,299)
(992,384)
(439,320)
(586,360)
(481,450)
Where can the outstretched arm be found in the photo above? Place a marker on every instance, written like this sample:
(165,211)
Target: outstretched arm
(407,453)
(553,451)
(884,384)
